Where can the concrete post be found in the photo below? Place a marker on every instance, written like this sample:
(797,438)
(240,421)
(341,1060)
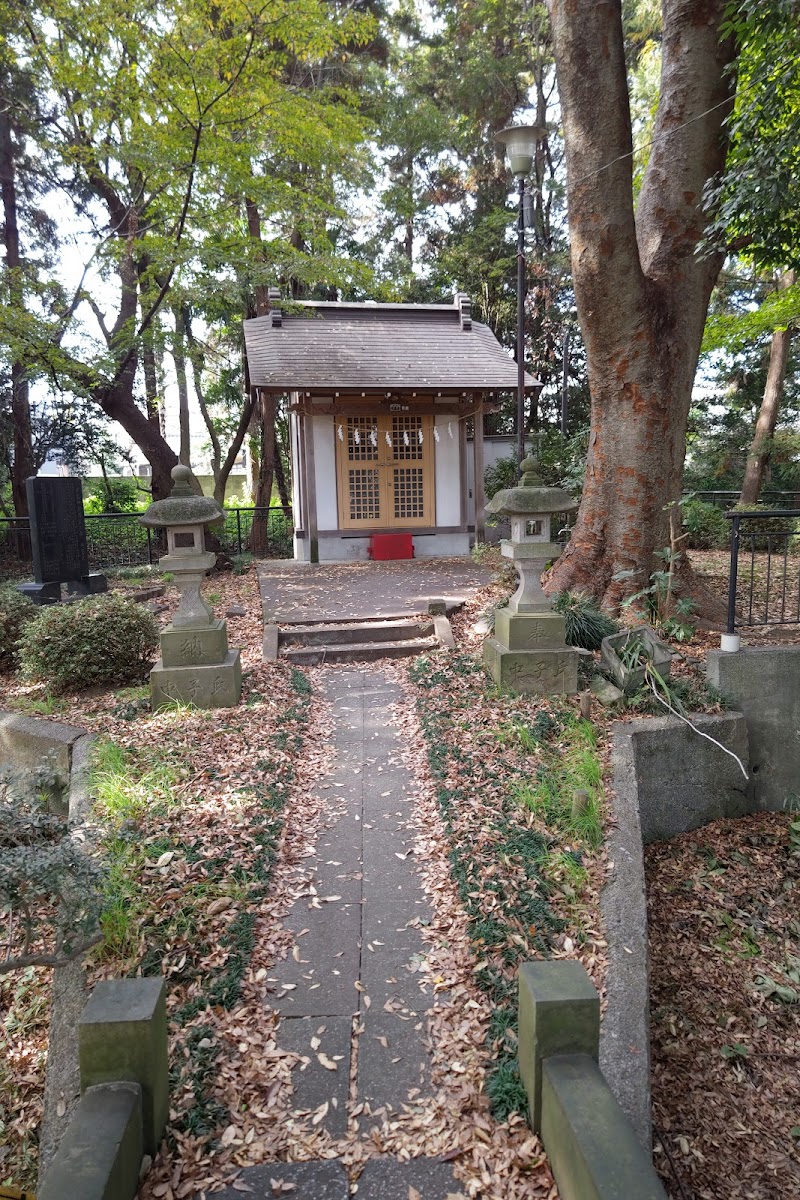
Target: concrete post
(559,1013)
(101,1152)
(122,1036)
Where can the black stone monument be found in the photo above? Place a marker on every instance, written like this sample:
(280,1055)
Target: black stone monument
(58,541)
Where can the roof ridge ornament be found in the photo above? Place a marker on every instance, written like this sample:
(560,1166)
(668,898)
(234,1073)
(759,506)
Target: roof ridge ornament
(275,312)
(464,305)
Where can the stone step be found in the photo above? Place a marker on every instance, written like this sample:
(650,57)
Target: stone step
(353,632)
(314,1180)
(381,1179)
(312,656)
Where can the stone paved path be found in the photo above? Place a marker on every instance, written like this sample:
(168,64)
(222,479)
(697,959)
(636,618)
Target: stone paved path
(303,593)
(352,988)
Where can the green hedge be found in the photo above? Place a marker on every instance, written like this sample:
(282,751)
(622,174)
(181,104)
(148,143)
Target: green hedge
(101,640)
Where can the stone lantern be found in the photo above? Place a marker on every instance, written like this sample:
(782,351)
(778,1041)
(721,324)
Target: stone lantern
(528,652)
(196,665)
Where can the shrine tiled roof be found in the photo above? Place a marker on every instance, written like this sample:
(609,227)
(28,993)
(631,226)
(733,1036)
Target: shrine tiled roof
(331,346)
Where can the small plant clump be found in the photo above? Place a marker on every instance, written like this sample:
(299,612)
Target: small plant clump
(16,611)
(520,844)
(585,624)
(100,640)
(49,905)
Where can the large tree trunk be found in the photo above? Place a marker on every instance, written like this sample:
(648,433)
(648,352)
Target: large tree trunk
(280,474)
(179,358)
(761,446)
(259,532)
(642,292)
(118,403)
(23,463)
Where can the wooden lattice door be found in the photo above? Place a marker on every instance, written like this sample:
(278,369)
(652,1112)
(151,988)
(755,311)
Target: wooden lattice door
(385,471)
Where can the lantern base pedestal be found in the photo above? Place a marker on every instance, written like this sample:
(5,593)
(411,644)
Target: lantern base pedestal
(533,672)
(194,647)
(216,685)
(529,631)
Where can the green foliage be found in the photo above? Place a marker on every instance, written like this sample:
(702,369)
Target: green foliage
(126,790)
(241,563)
(124,496)
(586,624)
(502,473)
(578,769)
(49,894)
(16,611)
(659,598)
(706,525)
(735,331)
(101,640)
(757,201)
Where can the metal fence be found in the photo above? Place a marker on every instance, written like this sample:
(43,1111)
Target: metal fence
(120,540)
(729,499)
(764,580)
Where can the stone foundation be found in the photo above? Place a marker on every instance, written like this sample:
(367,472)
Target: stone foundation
(217,685)
(533,672)
(194,647)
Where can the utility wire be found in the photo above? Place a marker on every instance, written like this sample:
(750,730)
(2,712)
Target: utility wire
(787,63)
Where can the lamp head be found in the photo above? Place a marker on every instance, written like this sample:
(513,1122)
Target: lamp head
(520,142)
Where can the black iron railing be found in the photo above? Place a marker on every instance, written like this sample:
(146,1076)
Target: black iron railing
(724,499)
(764,580)
(120,540)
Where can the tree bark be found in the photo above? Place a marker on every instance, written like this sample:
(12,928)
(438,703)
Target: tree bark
(259,532)
(642,292)
(280,474)
(23,464)
(761,446)
(179,358)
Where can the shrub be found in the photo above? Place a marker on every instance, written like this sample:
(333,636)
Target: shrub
(16,611)
(586,625)
(103,639)
(769,534)
(500,474)
(706,524)
(48,885)
(118,496)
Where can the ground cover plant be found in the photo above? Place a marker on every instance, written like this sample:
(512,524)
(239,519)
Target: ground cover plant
(518,781)
(15,613)
(189,810)
(725,1008)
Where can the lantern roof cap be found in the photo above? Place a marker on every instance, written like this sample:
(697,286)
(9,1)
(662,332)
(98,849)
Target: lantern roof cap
(530,497)
(182,506)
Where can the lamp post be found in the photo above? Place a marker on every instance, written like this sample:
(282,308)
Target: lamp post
(520,142)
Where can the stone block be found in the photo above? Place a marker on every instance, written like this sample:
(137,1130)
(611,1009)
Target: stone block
(683,780)
(606,692)
(216,686)
(270,643)
(531,551)
(764,684)
(392,1179)
(530,631)
(437,607)
(101,1151)
(194,647)
(593,1150)
(559,1013)
(25,741)
(41,593)
(122,1036)
(533,672)
(301,1181)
